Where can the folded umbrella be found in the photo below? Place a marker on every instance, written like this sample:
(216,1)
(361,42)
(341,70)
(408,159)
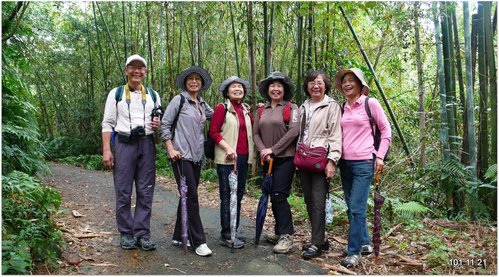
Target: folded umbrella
(183,212)
(378,202)
(263,203)
(233,204)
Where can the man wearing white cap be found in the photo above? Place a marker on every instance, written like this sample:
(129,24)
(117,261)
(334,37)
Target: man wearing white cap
(132,112)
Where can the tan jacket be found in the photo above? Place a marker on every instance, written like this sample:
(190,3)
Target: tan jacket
(230,131)
(325,127)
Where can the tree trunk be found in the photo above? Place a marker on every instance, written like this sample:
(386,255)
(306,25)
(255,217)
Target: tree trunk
(124,29)
(101,57)
(298,94)
(310,27)
(483,141)
(449,79)
(251,55)
(234,35)
(443,110)
(491,74)
(120,68)
(150,67)
(469,92)
(265,39)
(419,64)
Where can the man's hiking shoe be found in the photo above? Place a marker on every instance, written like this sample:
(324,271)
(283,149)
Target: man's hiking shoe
(203,250)
(179,243)
(272,238)
(284,244)
(364,250)
(127,242)
(146,244)
(228,242)
(351,261)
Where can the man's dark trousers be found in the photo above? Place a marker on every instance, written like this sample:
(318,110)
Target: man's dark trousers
(134,161)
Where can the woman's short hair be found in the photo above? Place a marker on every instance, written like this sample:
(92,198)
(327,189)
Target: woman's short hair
(312,75)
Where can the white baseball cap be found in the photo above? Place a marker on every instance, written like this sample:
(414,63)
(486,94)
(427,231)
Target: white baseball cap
(135,57)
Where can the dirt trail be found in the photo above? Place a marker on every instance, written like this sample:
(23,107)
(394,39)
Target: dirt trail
(89,228)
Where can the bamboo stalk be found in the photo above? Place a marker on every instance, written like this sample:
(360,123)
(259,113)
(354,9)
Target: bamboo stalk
(390,111)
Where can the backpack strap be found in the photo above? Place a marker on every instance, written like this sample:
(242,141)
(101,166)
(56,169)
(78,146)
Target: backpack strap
(153,95)
(118,94)
(368,111)
(286,113)
(174,124)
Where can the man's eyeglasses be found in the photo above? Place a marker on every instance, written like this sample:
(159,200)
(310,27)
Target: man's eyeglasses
(139,68)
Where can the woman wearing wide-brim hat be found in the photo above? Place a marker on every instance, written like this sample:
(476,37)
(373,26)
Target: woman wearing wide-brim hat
(230,129)
(359,157)
(182,130)
(274,132)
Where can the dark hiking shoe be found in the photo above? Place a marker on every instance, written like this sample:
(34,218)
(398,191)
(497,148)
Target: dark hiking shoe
(312,252)
(127,242)
(322,247)
(146,244)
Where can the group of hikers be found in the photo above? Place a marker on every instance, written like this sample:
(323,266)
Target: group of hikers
(332,134)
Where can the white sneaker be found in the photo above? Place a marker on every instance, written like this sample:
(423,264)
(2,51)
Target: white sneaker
(203,250)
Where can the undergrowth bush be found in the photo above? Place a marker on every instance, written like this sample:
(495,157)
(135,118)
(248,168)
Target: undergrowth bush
(28,232)
(92,162)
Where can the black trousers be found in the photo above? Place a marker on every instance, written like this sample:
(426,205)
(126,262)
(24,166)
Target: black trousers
(314,187)
(191,171)
(283,173)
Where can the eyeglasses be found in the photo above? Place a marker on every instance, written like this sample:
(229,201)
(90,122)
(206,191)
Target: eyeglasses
(313,83)
(139,68)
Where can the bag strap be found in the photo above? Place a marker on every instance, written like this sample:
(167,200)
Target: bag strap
(174,124)
(303,124)
(368,111)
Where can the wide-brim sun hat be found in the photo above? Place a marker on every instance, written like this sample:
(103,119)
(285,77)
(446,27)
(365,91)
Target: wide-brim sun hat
(180,81)
(264,84)
(233,79)
(358,73)
(135,57)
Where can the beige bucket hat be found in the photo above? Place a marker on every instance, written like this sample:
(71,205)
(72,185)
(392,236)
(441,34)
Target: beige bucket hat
(358,73)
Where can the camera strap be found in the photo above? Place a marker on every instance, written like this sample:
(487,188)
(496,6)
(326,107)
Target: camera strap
(129,100)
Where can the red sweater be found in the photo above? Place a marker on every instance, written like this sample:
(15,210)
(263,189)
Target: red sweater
(218,120)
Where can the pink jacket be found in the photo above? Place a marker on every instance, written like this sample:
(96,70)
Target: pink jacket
(357,135)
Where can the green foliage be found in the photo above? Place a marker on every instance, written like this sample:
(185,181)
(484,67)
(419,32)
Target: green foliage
(65,146)
(298,208)
(28,231)
(410,209)
(20,139)
(209,174)
(92,162)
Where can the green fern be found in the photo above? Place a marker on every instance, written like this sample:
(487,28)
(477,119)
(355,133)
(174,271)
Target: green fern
(410,209)
(491,174)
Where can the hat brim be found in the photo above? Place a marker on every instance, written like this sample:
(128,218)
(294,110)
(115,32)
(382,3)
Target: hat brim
(357,73)
(263,86)
(234,79)
(180,80)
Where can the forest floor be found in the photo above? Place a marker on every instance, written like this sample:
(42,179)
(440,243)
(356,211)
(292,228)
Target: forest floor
(89,230)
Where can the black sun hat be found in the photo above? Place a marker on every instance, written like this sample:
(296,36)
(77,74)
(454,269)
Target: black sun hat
(180,81)
(263,87)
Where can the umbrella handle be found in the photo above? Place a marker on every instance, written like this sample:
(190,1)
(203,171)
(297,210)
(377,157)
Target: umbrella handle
(269,171)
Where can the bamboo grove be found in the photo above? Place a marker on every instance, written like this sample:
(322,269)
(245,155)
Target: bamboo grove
(435,62)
